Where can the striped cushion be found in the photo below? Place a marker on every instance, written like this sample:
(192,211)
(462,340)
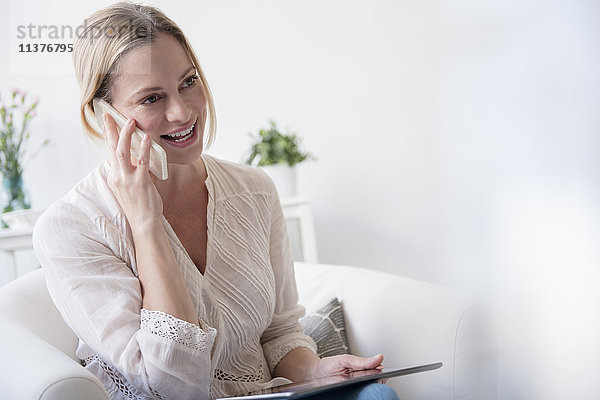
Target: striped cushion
(327,328)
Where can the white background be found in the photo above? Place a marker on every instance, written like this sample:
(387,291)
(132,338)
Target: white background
(457,143)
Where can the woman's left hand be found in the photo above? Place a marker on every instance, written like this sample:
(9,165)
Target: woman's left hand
(345,363)
(302,364)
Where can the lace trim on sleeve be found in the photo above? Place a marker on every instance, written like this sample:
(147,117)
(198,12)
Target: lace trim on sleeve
(167,326)
(224,376)
(118,381)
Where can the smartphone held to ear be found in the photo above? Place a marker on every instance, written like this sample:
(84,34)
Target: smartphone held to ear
(158,156)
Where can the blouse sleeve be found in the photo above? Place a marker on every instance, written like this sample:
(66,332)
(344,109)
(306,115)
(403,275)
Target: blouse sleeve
(100,298)
(285,332)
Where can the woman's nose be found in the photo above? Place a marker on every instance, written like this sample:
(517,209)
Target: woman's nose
(178,110)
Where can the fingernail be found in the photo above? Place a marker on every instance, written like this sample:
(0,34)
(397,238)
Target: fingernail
(130,122)
(146,137)
(104,117)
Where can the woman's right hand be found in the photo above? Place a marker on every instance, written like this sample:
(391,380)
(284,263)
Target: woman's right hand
(130,179)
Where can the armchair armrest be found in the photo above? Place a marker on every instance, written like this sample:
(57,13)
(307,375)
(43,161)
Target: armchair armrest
(32,368)
(410,322)
(38,348)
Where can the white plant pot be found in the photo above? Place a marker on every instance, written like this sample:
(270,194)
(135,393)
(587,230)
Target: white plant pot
(284,177)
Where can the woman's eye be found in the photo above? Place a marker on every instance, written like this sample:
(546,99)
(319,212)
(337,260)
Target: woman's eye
(190,81)
(151,99)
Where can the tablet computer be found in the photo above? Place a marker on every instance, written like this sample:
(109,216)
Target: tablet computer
(299,390)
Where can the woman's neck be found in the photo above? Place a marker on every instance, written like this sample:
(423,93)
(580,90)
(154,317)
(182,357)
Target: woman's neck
(183,180)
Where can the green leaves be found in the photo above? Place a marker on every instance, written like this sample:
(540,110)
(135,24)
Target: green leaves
(273,147)
(15,117)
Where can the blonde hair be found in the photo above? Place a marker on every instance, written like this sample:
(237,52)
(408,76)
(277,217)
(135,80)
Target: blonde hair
(108,35)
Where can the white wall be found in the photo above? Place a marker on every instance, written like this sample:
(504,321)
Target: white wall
(457,143)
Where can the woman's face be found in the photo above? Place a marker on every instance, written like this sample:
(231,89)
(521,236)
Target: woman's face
(157,86)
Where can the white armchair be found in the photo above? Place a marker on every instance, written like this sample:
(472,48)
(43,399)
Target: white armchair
(410,322)
(38,348)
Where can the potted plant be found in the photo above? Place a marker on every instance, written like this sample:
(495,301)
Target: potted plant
(278,153)
(16,112)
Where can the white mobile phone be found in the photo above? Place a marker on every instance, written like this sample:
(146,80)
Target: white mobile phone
(158,156)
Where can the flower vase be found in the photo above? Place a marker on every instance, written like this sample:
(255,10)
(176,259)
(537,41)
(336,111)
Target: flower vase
(14,194)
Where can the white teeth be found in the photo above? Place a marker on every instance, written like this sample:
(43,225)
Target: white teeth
(183,139)
(182,133)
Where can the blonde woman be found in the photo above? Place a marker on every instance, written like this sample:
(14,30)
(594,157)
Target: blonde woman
(182,288)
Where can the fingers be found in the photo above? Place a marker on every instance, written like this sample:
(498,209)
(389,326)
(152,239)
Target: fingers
(124,146)
(111,130)
(120,143)
(368,363)
(144,156)
(354,363)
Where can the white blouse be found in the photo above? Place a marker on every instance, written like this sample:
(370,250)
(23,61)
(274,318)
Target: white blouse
(246,301)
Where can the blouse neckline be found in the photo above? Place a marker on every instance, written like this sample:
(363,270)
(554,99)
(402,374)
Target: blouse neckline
(189,269)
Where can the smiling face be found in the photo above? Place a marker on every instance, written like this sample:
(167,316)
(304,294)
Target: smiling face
(166,100)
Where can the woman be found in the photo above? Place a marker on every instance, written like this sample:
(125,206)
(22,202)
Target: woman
(182,288)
